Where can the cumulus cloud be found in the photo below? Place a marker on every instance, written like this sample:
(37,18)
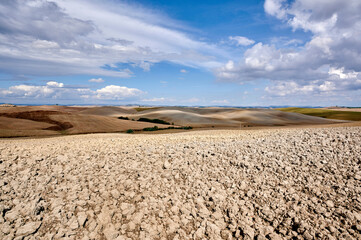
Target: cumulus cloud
(54,84)
(274,7)
(183,71)
(329,62)
(113,92)
(241,41)
(56,90)
(96,80)
(43,37)
(293,88)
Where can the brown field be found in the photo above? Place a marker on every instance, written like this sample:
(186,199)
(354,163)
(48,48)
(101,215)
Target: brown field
(59,120)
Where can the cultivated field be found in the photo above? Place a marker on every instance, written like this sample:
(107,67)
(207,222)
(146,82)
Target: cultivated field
(25,121)
(220,184)
(352,114)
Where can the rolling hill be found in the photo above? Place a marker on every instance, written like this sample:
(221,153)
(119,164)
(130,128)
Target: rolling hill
(325,113)
(57,120)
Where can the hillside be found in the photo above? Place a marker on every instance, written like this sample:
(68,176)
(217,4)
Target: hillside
(326,113)
(56,120)
(60,120)
(228,117)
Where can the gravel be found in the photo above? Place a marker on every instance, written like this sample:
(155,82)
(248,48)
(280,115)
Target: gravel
(254,184)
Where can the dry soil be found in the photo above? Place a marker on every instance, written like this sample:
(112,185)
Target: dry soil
(256,184)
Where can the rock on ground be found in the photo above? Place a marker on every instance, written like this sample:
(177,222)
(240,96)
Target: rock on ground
(254,184)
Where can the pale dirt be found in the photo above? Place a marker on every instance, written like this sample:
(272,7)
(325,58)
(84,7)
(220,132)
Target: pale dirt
(229,184)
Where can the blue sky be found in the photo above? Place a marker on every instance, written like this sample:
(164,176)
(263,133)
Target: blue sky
(234,53)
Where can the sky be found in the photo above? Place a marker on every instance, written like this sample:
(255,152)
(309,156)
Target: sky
(181,52)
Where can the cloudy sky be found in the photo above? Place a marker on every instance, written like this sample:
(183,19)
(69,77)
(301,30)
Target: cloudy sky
(181,52)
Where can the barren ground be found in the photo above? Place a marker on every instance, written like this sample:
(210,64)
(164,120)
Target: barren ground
(229,184)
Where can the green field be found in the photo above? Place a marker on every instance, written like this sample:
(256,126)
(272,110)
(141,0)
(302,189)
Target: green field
(325,113)
(139,109)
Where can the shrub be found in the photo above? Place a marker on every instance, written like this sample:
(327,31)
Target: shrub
(130,131)
(155,128)
(139,109)
(155,120)
(124,118)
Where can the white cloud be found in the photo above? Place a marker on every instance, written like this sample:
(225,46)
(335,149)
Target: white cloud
(43,44)
(145,66)
(342,74)
(274,7)
(242,41)
(183,71)
(96,80)
(293,42)
(89,36)
(56,90)
(288,88)
(54,84)
(114,92)
(28,91)
(329,62)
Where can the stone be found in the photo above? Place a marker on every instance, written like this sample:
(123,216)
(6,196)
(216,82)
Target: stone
(131,226)
(92,225)
(115,193)
(199,234)
(226,234)
(274,236)
(171,226)
(12,215)
(82,217)
(28,229)
(105,216)
(121,237)
(330,204)
(213,230)
(73,223)
(332,229)
(166,165)
(110,232)
(307,235)
(248,232)
(6,228)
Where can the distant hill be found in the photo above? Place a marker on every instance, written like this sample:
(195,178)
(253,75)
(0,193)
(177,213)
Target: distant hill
(325,113)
